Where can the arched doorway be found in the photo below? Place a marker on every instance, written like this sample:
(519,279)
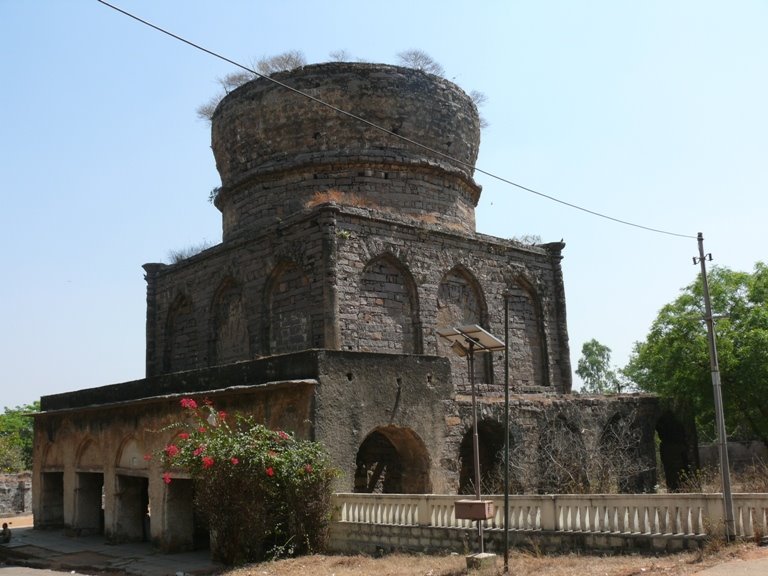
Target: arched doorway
(490,435)
(89,491)
(392,460)
(675,450)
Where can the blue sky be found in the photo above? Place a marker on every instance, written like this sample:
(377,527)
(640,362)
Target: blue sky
(653,112)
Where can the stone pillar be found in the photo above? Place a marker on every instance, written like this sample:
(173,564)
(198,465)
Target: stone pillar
(152,270)
(331,336)
(564,380)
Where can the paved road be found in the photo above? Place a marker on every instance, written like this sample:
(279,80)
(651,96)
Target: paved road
(91,554)
(756,567)
(21,571)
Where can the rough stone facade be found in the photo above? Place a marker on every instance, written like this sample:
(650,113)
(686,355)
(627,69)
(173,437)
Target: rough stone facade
(15,494)
(344,250)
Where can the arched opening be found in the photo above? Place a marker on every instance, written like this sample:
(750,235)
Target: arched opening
(620,464)
(562,455)
(392,460)
(131,505)
(674,450)
(52,488)
(185,529)
(89,491)
(490,436)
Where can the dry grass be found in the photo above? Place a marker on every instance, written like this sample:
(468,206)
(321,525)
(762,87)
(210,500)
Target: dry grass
(753,478)
(520,564)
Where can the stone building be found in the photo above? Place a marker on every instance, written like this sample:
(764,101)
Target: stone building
(344,249)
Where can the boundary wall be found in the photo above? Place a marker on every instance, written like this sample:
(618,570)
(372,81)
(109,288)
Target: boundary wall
(371,523)
(15,494)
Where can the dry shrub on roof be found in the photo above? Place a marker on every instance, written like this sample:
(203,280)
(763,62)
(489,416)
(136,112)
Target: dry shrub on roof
(334,196)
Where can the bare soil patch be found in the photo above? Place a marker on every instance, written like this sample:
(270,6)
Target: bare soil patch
(520,564)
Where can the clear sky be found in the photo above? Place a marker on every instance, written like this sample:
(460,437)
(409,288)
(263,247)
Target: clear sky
(654,112)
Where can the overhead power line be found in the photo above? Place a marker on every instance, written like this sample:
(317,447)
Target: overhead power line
(389,132)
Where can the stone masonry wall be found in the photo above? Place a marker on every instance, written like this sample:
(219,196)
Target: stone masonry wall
(275,149)
(15,494)
(407,194)
(255,297)
(359,538)
(94,457)
(446,279)
(598,436)
(339,278)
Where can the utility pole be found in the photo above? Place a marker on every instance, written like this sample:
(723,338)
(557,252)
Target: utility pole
(722,440)
(506,431)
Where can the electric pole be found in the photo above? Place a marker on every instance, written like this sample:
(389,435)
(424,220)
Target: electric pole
(722,440)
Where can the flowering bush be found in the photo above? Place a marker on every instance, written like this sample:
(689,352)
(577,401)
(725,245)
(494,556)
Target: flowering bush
(263,492)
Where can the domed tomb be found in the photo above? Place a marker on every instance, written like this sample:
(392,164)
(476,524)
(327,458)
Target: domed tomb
(278,151)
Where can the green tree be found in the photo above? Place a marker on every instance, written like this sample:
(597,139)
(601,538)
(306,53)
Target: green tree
(673,361)
(11,458)
(595,369)
(16,430)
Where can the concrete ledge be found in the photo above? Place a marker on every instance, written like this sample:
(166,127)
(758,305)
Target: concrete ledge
(484,561)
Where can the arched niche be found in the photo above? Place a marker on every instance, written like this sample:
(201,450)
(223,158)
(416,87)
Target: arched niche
(387,316)
(527,341)
(53,458)
(180,351)
(289,310)
(460,302)
(89,456)
(131,456)
(229,326)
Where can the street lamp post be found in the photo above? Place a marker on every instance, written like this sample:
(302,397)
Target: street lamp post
(465,342)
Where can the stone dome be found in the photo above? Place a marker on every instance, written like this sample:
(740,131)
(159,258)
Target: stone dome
(275,148)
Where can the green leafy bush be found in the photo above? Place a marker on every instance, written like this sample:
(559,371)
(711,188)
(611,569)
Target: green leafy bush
(11,457)
(264,493)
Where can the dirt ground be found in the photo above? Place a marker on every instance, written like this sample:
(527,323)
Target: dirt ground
(17,521)
(520,564)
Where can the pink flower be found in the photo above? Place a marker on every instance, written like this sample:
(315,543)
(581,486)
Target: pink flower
(201,429)
(308,468)
(167,478)
(222,415)
(184,435)
(147,457)
(172,450)
(188,403)
(234,461)
(283,435)
(270,471)
(199,450)
(207,461)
